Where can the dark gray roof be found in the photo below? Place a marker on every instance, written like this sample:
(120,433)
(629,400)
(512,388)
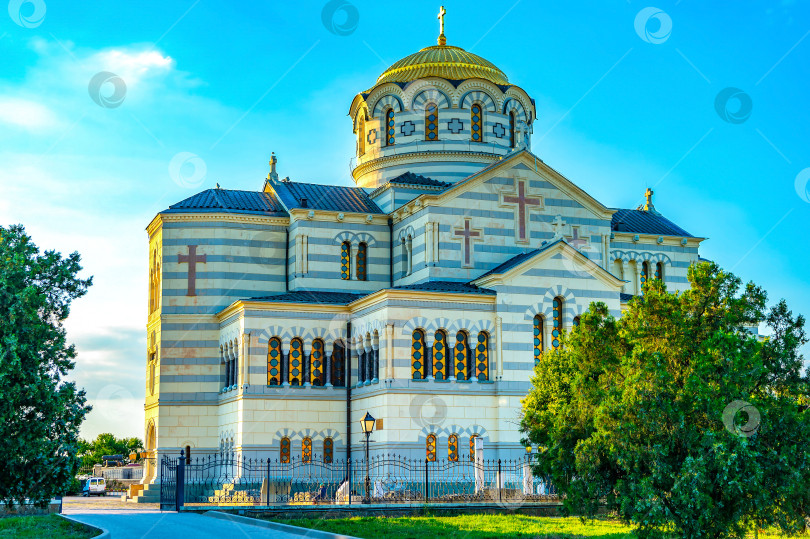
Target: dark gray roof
(645,222)
(624,298)
(325,197)
(519,259)
(218,200)
(447,286)
(312,296)
(409,178)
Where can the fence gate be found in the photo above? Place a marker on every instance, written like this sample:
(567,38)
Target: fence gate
(168,484)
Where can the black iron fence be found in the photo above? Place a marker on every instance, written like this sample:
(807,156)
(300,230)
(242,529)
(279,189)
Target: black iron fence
(229,480)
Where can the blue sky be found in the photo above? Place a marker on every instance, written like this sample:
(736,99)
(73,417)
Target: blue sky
(626,98)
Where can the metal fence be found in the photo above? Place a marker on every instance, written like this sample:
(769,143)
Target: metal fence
(229,480)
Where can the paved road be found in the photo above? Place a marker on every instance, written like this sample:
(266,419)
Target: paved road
(134,521)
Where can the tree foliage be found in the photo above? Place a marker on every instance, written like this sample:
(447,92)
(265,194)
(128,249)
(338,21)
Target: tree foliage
(106,444)
(676,416)
(40,412)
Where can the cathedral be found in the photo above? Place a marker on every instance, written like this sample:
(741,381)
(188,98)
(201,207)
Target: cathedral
(424,294)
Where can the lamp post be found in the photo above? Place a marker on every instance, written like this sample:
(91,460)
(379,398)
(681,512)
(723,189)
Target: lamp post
(367,424)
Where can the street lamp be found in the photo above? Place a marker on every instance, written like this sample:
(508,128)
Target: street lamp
(368,427)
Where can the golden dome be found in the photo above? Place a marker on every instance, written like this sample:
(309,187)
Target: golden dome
(445,61)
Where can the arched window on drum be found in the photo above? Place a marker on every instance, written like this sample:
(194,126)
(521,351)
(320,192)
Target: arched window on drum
(390,127)
(431,122)
(316,359)
(274,362)
(477,123)
(418,353)
(362,255)
(539,330)
(482,357)
(346,261)
(557,322)
(296,363)
(440,355)
(512,128)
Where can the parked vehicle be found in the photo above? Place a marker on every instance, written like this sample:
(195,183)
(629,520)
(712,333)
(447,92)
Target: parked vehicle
(94,485)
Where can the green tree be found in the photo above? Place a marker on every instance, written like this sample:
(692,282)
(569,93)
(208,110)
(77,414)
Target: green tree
(675,416)
(40,412)
(106,444)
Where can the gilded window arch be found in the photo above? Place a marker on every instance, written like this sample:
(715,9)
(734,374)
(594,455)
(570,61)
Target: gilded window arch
(306,450)
(274,362)
(512,127)
(431,121)
(328,450)
(462,355)
(482,357)
(557,305)
(361,135)
(539,334)
(362,255)
(477,123)
(418,354)
(472,447)
(296,369)
(284,452)
(345,260)
(316,359)
(390,127)
(440,355)
(430,448)
(452,448)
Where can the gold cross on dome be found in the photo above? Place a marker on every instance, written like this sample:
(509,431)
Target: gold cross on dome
(442,13)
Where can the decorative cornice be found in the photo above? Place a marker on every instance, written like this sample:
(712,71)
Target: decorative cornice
(424,157)
(654,239)
(160,218)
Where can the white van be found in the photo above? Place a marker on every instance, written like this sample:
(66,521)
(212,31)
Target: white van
(94,485)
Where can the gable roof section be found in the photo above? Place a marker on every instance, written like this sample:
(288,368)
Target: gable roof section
(525,261)
(324,197)
(311,296)
(532,162)
(645,222)
(230,201)
(447,286)
(409,178)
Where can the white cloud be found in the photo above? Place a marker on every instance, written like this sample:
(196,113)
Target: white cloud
(27,114)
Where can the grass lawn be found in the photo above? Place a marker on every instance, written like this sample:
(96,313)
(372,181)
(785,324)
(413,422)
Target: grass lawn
(39,527)
(474,527)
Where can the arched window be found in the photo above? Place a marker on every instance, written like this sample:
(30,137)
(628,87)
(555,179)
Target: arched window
(477,123)
(409,268)
(512,127)
(274,362)
(152,363)
(316,363)
(440,355)
(431,122)
(328,450)
(361,135)
(472,447)
(346,261)
(418,355)
(390,128)
(430,448)
(557,325)
(645,274)
(462,353)
(575,322)
(539,330)
(285,450)
(482,357)
(659,271)
(306,450)
(362,249)
(452,448)
(404,257)
(338,364)
(296,362)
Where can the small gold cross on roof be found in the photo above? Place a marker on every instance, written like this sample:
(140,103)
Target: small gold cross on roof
(442,13)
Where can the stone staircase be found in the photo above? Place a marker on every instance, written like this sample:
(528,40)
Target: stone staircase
(149,494)
(231,494)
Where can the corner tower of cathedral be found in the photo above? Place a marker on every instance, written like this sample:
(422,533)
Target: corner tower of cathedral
(442,112)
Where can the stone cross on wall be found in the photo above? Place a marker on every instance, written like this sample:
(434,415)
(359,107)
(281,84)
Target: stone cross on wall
(522,203)
(577,241)
(468,236)
(191,259)
(559,227)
